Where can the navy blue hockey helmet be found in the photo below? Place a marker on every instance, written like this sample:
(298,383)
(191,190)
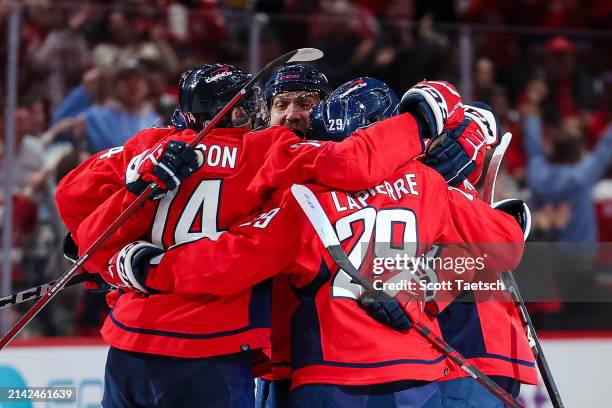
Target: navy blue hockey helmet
(353,105)
(206,89)
(293,78)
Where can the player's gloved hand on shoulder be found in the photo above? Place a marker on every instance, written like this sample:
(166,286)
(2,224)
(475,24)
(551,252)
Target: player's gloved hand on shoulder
(128,268)
(166,165)
(385,309)
(460,155)
(435,105)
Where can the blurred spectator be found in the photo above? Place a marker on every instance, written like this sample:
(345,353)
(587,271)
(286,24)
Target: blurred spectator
(58,59)
(570,87)
(496,14)
(124,43)
(29,153)
(207,30)
(567,173)
(545,286)
(549,221)
(93,89)
(344,53)
(126,112)
(484,81)
(163,95)
(25,213)
(603,114)
(509,117)
(406,51)
(558,13)
(28,160)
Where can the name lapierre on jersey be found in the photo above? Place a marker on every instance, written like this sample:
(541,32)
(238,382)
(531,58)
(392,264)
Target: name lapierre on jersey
(214,155)
(343,201)
(403,186)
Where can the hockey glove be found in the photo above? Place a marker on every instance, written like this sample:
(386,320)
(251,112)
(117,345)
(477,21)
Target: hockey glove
(165,165)
(490,126)
(460,156)
(385,309)
(435,105)
(128,268)
(519,210)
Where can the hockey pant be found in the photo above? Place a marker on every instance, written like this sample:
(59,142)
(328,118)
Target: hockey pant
(468,393)
(136,380)
(400,394)
(272,394)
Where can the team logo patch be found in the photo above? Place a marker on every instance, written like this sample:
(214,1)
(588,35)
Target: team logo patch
(287,77)
(218,74)
(360,83)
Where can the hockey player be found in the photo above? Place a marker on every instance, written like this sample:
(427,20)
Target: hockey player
(207,333)
(289,97)
(286,86)
(291,93)
(505,360)
(340,356)
(459,157)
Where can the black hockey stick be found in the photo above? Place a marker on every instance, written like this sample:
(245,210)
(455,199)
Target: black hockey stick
(42,289)
(71,252)
(488,193)
(299,55)
(313,210)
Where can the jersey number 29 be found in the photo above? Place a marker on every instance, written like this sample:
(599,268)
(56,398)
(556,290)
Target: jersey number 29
(393,231)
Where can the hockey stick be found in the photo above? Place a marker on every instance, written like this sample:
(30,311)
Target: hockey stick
(42,289)
(488,189)
(313,210)
(299,55)
(488,193)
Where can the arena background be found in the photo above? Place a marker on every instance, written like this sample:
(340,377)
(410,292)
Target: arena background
(66,64)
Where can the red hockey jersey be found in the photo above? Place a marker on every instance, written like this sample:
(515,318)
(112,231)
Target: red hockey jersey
(489,333)
(332,338)
(205,204)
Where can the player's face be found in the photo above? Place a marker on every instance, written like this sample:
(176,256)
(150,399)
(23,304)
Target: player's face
(292,109)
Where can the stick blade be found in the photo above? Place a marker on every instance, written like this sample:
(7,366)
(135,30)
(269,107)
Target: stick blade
(306,54)
(488,190)
(313,210)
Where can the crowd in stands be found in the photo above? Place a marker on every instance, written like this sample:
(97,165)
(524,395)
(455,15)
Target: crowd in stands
(91,74)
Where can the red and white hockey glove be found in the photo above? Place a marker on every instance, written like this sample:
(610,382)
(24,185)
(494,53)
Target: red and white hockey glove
(165,165)
(436,106)
(460,156)
(490,126)
(128,268)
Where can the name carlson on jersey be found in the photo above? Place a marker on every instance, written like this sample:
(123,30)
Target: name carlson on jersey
(405,185)
(219,156)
